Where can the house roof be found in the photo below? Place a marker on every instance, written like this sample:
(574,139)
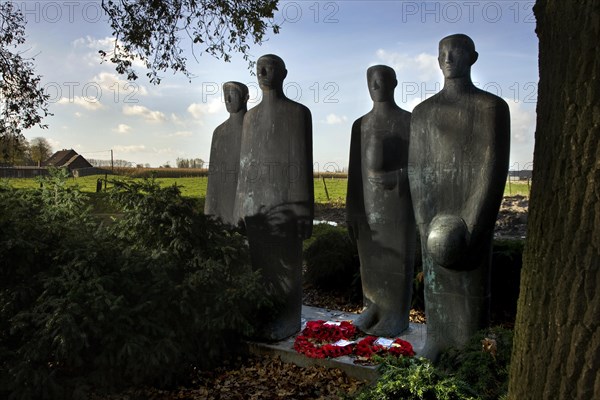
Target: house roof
(67,158)
(60,158)
(79,161)
(70,161)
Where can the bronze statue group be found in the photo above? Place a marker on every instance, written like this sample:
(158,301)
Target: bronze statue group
(440,171)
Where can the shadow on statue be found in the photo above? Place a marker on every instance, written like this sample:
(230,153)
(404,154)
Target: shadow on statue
(275,195)
(225,155)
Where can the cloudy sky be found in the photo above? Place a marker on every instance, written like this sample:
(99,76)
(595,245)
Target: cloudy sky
(327,47)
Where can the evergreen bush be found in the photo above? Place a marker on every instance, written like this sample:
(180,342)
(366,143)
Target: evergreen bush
(486,372)
(332,261)
(507,261)
(469,373)
(415,379)
(86,304)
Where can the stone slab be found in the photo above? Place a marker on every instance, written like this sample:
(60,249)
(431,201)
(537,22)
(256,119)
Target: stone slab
(415,334)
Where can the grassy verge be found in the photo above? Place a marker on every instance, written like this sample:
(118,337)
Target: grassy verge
(327,190)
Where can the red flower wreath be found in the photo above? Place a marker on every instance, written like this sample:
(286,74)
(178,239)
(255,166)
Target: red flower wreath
(316,340)
(367,347)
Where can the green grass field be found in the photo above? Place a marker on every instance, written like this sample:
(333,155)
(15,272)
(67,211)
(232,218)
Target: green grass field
(196,187)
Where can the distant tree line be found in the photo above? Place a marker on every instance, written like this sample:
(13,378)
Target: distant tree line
(15,150)
(190,162)
(116,163)
(180,162)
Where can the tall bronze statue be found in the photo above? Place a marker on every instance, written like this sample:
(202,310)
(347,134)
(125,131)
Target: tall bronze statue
(458,162)
(379,208)
(275,198)
(225,155)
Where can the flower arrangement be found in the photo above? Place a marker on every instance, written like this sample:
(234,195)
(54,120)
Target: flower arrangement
(321,339)
(371,345)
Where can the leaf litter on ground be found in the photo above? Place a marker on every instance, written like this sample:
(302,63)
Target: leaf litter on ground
(256,378)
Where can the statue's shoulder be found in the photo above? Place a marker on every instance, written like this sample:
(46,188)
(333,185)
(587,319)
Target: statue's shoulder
(296,106)
(222,126)
(425,106)
(251,112)
(402,113)
(220,130)
(490,100)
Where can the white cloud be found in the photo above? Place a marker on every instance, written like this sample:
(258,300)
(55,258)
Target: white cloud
(333,119)
(199,110)
(144,112)
(176,119)
(55,144)
(522,122)
(78,114)
(136,148)
(181,134)
(93,43)
(120,90)
(123,129)
(89,103)
(424,65)
(165,150)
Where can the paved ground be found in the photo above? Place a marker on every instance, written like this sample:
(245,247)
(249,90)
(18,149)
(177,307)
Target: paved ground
(415,335)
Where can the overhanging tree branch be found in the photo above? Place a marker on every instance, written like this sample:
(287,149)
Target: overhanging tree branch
(149,30)
(23,102)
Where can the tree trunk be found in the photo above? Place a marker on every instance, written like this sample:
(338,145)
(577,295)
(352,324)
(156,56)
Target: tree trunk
(556,353)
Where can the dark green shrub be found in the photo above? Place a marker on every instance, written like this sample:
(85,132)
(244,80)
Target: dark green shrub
(484,372)
(84,304)
(507,261)
(318,231)
(332,260)
(415,379)
(468,373)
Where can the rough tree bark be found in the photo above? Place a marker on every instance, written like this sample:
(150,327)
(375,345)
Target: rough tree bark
(556,353)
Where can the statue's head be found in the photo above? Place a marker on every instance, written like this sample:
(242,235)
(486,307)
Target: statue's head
(236,96)
(382,82)
(270,70)
(456,55)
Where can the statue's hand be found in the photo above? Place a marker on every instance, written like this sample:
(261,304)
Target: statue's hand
(447,241)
